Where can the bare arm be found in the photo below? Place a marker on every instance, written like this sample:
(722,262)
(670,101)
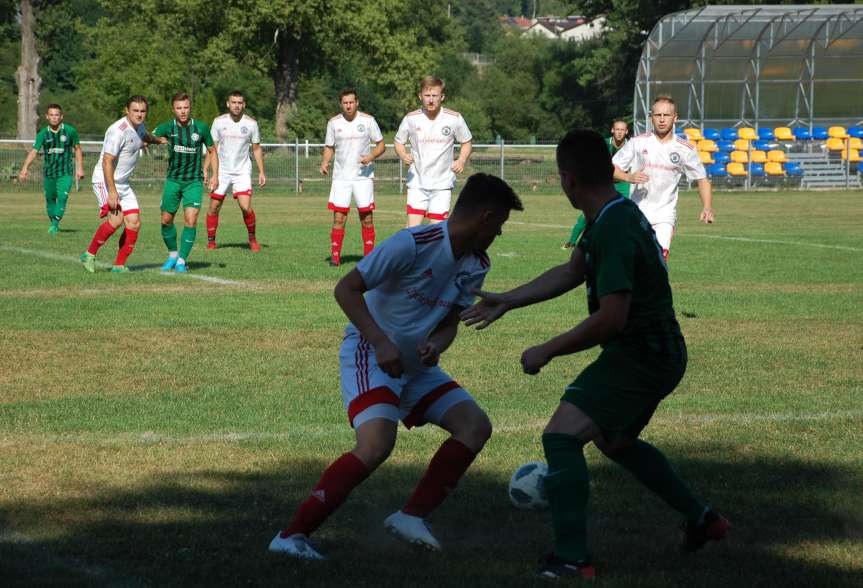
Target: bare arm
(258,154)
(705,192)
(440,338)
(403,153)
(25,167)
(211,161)
(634,178)
(79,162)
(463,156)
(151,139)
(376,152)
(109,164)
(326,158)
(349,295)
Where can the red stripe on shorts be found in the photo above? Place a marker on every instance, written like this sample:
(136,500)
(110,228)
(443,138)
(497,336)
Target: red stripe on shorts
(417,414)
(381,395)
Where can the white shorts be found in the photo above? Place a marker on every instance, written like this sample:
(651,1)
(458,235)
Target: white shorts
(369,393)
(664,233)
(362,191)
(240,184)
(128,200)
(431,203)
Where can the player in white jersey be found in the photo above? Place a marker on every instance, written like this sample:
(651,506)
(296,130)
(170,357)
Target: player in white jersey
(120,151)
(655,162)
(403,301)
(349,137)
(233,133)
(432,133)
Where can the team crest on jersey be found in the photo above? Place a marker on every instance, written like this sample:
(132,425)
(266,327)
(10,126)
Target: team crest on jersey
(446,131)
(361,128)
(195,136)
(244,130)
(675,158)
(63,138)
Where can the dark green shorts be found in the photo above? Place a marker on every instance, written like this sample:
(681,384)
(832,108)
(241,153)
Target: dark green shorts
(57,188)
(187,193)
(621,389)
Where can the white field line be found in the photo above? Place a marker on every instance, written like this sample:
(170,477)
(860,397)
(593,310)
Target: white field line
(330,430)
(66,258)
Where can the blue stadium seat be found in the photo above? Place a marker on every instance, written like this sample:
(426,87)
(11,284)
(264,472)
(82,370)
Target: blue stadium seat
(765,134)
(717,169)
(761,145)
(756,169)
(801,133)
(856,132)
(728,134)
(820,133)
(792,168)
(711,134)
(860,167)
(721,157)
(726,146)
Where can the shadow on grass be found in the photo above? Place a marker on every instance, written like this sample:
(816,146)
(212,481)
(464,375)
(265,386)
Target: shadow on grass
(214,528)
(243,245)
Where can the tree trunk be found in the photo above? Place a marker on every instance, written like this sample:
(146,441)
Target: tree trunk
(286,76)
(27,75)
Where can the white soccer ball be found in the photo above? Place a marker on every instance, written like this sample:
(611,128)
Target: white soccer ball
(527,486)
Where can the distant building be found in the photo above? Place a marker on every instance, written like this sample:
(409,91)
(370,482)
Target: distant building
(569,28)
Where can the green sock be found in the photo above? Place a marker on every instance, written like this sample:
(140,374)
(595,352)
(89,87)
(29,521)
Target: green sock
(568,487)
(60,207)
(55,221)
(652,469)
(187,241)
(169,236)
(577,229)
(49,207)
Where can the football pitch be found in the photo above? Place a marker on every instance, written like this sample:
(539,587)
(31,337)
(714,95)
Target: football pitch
(158,430)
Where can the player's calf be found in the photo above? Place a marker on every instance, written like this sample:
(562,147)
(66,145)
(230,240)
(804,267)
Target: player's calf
(712,527)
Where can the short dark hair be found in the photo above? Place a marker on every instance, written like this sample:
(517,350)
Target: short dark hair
(236,94)
(584,154)
(487,191)
(179,97)
(347,91)
(53,105)
(137,98)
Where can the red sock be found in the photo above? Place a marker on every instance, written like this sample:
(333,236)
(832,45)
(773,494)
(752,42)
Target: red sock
(337,481)
(336,238)
(128,239)
(121,241)
(445,470)
(212,225)
(249,219)
(368,239)
(103,233)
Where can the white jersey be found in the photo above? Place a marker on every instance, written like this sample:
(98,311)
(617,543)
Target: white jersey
(665,163)
(352,140)
(414,281)
(123,141)
(234,139)
(432,147)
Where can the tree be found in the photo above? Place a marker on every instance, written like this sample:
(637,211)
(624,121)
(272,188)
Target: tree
(27,75)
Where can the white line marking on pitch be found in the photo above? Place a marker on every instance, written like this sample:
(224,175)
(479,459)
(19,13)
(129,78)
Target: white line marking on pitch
(66,258)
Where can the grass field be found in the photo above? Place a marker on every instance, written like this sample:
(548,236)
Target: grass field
(157,430)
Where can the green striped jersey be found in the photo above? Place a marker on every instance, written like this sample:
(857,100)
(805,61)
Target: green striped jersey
(185,148)
(57,148)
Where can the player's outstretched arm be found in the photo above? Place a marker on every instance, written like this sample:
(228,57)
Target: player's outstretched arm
(349,295)
(705,192)
(634,178)
(152,139)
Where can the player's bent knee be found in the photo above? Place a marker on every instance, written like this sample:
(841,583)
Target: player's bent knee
(374,452)
(613,449)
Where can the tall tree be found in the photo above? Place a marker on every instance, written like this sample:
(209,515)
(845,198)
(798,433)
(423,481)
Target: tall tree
(27,75)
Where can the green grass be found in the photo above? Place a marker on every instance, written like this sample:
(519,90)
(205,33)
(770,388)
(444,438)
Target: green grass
(157,430)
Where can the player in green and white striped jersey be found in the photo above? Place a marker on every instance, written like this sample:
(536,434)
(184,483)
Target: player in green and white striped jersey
(188,171)
(58,141)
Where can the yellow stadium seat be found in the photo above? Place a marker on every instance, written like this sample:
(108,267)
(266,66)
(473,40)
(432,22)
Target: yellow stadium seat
(707,145)
(747,133)
(705,157)
(783,134)
(739,156)
(855,155)
(856,143)
(774,168)
(837,132)
(693,134)
(759,157)
(835,144)
(776,155)
(741,144)
(736,169)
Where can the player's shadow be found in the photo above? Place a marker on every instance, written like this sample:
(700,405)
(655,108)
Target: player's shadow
(196,524)
(243,245)
(70,230)
(347,259)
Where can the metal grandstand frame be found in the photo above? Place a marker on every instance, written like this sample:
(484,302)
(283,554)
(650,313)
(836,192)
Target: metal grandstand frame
(732,66)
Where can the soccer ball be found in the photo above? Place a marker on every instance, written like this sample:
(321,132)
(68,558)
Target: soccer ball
(527,486)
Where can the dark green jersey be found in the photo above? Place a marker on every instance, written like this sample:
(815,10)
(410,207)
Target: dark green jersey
(185,148)
(621,187)
(621,254)
(58,148)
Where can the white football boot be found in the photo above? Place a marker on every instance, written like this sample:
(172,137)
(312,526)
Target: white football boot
(411,529)
(296,545)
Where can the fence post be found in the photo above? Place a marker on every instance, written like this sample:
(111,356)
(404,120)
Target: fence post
(307,148)
(297,165)
(749,166)
(847,161)
(502,150)
(401,177)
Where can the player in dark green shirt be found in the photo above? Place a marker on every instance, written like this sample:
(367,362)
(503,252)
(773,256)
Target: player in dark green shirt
(619,130)
(642,360)
(58,141)
(188,170)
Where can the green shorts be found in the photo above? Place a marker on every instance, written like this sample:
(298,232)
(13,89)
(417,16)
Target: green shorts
(57,188)
(189,193)
(622,388)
